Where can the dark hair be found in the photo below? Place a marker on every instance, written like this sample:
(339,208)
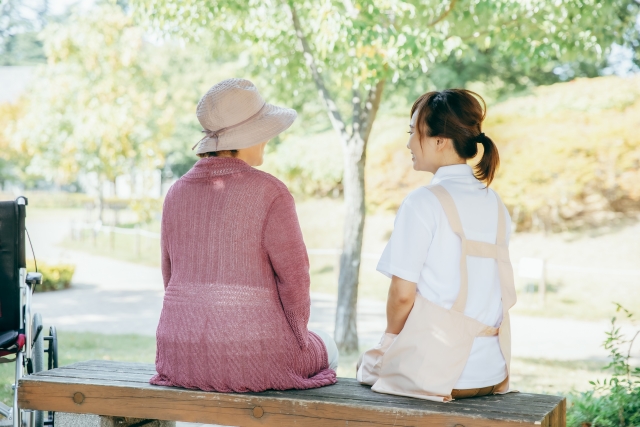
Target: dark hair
(457,114)
(232,153)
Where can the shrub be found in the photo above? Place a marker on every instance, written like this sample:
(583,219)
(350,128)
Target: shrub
(570,153)
(614,402)
(54,276)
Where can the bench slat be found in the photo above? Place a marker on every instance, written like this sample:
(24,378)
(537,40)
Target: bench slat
(122,389)
(512,406)
(535,404)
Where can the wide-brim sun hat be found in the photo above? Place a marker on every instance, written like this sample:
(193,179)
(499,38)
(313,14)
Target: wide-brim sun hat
(234,115)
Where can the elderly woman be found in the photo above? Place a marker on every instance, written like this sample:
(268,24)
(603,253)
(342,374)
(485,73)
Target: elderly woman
(235,267)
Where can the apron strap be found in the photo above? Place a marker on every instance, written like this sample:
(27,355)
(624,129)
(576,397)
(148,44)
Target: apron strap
(453,217)
(450,209)
(499,251)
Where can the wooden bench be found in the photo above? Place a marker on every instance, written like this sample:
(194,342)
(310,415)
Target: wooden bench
(117,389)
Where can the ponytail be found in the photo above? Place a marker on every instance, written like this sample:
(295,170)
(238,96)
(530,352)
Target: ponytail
(458,114)
(485,170)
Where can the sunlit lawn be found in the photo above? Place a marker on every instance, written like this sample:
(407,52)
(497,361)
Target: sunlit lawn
(530,375)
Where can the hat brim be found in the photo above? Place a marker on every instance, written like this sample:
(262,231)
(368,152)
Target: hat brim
(271,122)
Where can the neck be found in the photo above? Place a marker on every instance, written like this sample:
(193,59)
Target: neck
(461,162)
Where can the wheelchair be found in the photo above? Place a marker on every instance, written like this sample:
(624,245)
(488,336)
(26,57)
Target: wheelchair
(22,339)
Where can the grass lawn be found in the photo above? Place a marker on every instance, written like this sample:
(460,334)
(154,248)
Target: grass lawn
(530,375)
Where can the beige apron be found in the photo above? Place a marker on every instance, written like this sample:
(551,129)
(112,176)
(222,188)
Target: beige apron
(428,356)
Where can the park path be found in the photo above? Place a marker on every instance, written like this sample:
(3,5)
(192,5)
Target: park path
(116,297)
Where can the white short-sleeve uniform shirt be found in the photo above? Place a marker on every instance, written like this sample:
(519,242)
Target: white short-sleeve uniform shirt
(424,249)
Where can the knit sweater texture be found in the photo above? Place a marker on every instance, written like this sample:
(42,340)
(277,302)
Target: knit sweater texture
(236,278)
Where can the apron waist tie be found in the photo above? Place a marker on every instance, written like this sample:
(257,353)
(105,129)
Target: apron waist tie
(489,331)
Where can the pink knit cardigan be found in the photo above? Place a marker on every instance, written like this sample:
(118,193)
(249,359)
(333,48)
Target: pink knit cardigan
(236,277)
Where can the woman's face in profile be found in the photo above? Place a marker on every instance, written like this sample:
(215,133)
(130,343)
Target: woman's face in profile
(423,155)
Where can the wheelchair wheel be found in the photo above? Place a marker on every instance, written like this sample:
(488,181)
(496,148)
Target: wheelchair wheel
(52,351)
(37,359)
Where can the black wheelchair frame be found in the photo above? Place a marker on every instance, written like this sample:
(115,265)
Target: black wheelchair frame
(21,333)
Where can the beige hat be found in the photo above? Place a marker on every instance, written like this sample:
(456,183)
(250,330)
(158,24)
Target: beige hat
(234,116)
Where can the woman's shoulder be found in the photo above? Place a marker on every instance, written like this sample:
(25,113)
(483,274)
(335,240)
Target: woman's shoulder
(420,205)
(270,182)
(253,183)
(421,198)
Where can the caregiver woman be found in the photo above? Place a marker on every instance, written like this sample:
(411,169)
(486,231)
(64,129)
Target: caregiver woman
(451,288)
(235,267)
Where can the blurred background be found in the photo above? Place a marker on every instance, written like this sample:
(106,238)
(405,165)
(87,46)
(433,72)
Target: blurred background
(97,118)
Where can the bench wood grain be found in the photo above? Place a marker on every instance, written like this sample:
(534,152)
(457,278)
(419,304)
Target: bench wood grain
(122,389)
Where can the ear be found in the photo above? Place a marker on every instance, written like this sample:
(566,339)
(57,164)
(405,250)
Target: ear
(441,143)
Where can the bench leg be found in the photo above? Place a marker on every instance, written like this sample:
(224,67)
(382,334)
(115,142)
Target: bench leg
(64,419)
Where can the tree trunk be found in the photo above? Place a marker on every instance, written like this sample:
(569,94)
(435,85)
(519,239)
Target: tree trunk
(355,156)
(346,334)
(355,145)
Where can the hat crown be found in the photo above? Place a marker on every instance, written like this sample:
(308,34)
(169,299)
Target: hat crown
(228,103)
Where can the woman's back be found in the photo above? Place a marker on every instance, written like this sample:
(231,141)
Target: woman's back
(237,287)
(213,218)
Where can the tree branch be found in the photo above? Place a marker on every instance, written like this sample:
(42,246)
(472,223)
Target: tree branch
(332,108)
(444,14)
(371,108)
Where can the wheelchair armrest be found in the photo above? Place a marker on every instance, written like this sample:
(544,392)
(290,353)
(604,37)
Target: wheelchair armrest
(8,338)
(34,279)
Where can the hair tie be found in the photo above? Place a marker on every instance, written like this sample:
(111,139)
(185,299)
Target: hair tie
(437,98)
(479,137)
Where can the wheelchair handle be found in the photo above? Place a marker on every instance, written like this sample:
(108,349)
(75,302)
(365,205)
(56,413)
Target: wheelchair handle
(34,279)
(21,212)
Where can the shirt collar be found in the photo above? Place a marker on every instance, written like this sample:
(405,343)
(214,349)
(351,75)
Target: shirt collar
(462,171)
(215,166)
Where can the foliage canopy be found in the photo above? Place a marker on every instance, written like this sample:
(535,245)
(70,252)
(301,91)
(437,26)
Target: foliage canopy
(362,41)
(20,23)
(101,104)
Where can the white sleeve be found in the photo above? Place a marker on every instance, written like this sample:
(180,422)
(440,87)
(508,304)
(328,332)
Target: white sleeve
(509,225)
(407,249)
(507,218)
